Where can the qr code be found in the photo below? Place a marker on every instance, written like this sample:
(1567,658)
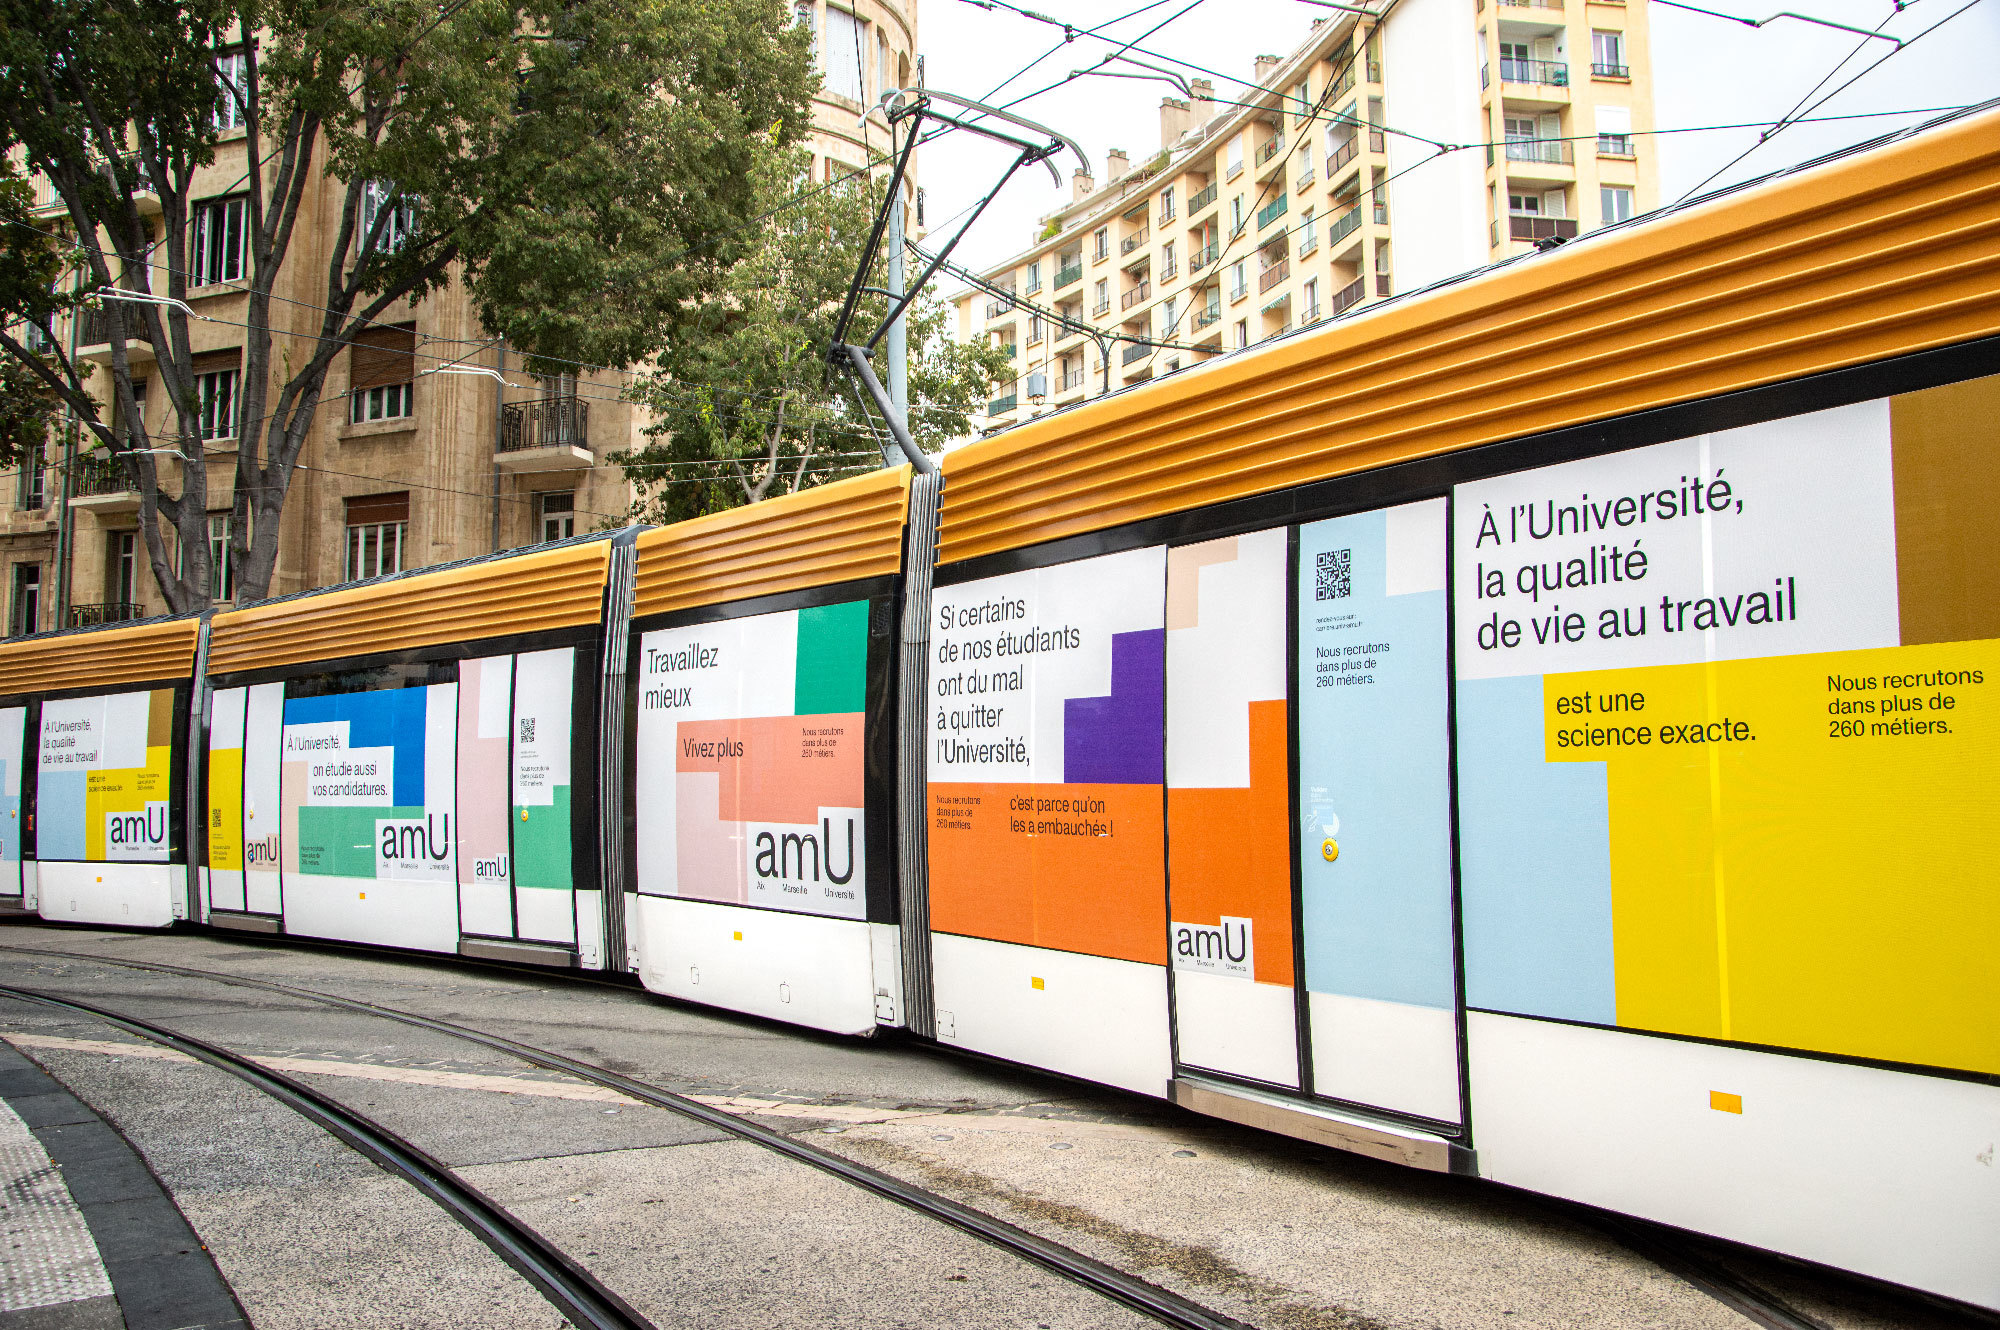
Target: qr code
(1334,575)
(527,729)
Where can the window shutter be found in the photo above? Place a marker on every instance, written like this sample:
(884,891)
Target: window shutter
(370,508)
(208,362)
(382,356)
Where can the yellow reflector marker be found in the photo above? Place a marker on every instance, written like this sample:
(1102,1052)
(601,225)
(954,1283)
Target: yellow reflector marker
(1329,850)
(1034,983)
(739,937)
(1725,1103)
(364,895)
(524,815)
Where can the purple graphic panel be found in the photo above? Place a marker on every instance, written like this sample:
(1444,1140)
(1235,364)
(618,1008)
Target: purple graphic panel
(1121,739)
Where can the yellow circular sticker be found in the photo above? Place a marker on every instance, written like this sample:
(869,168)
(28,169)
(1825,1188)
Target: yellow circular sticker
(1329,850)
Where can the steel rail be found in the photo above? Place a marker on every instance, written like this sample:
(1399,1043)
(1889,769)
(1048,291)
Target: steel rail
(1148,1299)
(570,1288)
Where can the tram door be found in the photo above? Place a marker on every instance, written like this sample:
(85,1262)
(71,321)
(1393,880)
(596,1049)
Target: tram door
(1374,791)
(1229,864)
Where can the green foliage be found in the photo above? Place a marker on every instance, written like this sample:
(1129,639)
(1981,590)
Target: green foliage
(31,264)
(582,168)
(1052,230)
(743,401)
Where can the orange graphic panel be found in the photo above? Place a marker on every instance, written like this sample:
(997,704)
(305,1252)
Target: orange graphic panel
(1070,867)
(1231,848)
(780,769)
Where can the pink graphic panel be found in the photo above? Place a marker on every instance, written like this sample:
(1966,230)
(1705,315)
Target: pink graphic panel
(775,769)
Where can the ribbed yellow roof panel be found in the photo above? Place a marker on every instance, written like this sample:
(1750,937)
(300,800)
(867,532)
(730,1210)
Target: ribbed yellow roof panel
(834,533)
(104,658)
(528,593)
(1880,254)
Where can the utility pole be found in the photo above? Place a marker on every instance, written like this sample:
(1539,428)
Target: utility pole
(899,342)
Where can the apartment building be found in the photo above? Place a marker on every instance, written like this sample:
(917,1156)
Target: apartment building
(431,444)
(1327,189)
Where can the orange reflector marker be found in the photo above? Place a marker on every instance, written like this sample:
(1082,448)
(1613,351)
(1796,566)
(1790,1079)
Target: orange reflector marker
(363,895)
(1034,983)
(1725,1103)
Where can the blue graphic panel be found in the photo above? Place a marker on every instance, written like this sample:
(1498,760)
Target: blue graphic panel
(59,815)
(1374,771)
(1535,860)
(389,718)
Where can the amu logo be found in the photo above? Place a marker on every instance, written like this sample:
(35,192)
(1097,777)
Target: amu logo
(146,830)
(261,853)
(794,859)
(1226,948)
(424,845)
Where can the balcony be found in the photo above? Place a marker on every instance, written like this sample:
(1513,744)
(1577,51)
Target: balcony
(1548,152)
(1542,73)
(1347,297)
(1071,381)
(102,487)
(1271,213)
(102,612)
(1598,71)
(1133,241)
(996,308)
(1343,226)
(1528,226)
(1273,275)
(1305,177)
(1341,156)
(1009,349)
(1271,149)
(1000,406)
(93,336)
(1203,257)
(1132,353)
(1345,82)
(1310,314)
(1202,200)
(1069,276)
(1101,308)
(547,434)
(1308,242)
(1135,295)
(1276,332)
(1374,71)
(1555,5)
(1034,286)
(1381,211)
(1381,284)
(1168,271)
(1034,335)
(1207,317)
(1614,145)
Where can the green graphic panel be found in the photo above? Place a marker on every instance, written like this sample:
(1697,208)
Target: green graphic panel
(340,841)
(541,843)
(832,673)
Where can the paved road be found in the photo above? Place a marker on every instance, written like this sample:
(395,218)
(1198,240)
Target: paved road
(692,1227)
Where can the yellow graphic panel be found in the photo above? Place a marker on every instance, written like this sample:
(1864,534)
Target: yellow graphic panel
(1796,846)
(225,808)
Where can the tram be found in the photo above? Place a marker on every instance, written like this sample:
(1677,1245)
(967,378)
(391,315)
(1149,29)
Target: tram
(1542,728)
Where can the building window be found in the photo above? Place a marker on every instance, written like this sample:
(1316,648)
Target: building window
(1167,204)
(1169,322)
(221,575)
(379,197)
(1239,280)
(1034,276)
(885,77)
(1103,242)
(1607,55)
(805,15)
(1308,233)
(232,89)
(389,402)
(1233,155)
(121,569)
(555,514)
(843,48)
(376,529)
(217,391)
(1527,204)
(26,615)
(216,254)
(1310,297)
(1103,296)
(1236,214)
(34,490)
(1242,333)
(1616,203)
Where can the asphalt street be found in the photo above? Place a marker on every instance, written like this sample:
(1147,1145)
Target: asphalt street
(694,1227)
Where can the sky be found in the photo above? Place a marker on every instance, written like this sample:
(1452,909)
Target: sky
(1707,71)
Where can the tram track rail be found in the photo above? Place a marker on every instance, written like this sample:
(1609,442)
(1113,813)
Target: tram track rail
(1661,1245)
(1148,1299)
(567,1286)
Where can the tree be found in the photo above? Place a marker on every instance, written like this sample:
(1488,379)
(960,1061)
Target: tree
(580,167)
(744,407)
(31,268)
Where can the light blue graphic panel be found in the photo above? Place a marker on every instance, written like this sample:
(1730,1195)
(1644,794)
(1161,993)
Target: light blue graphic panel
(1535,862)
(1374,757)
